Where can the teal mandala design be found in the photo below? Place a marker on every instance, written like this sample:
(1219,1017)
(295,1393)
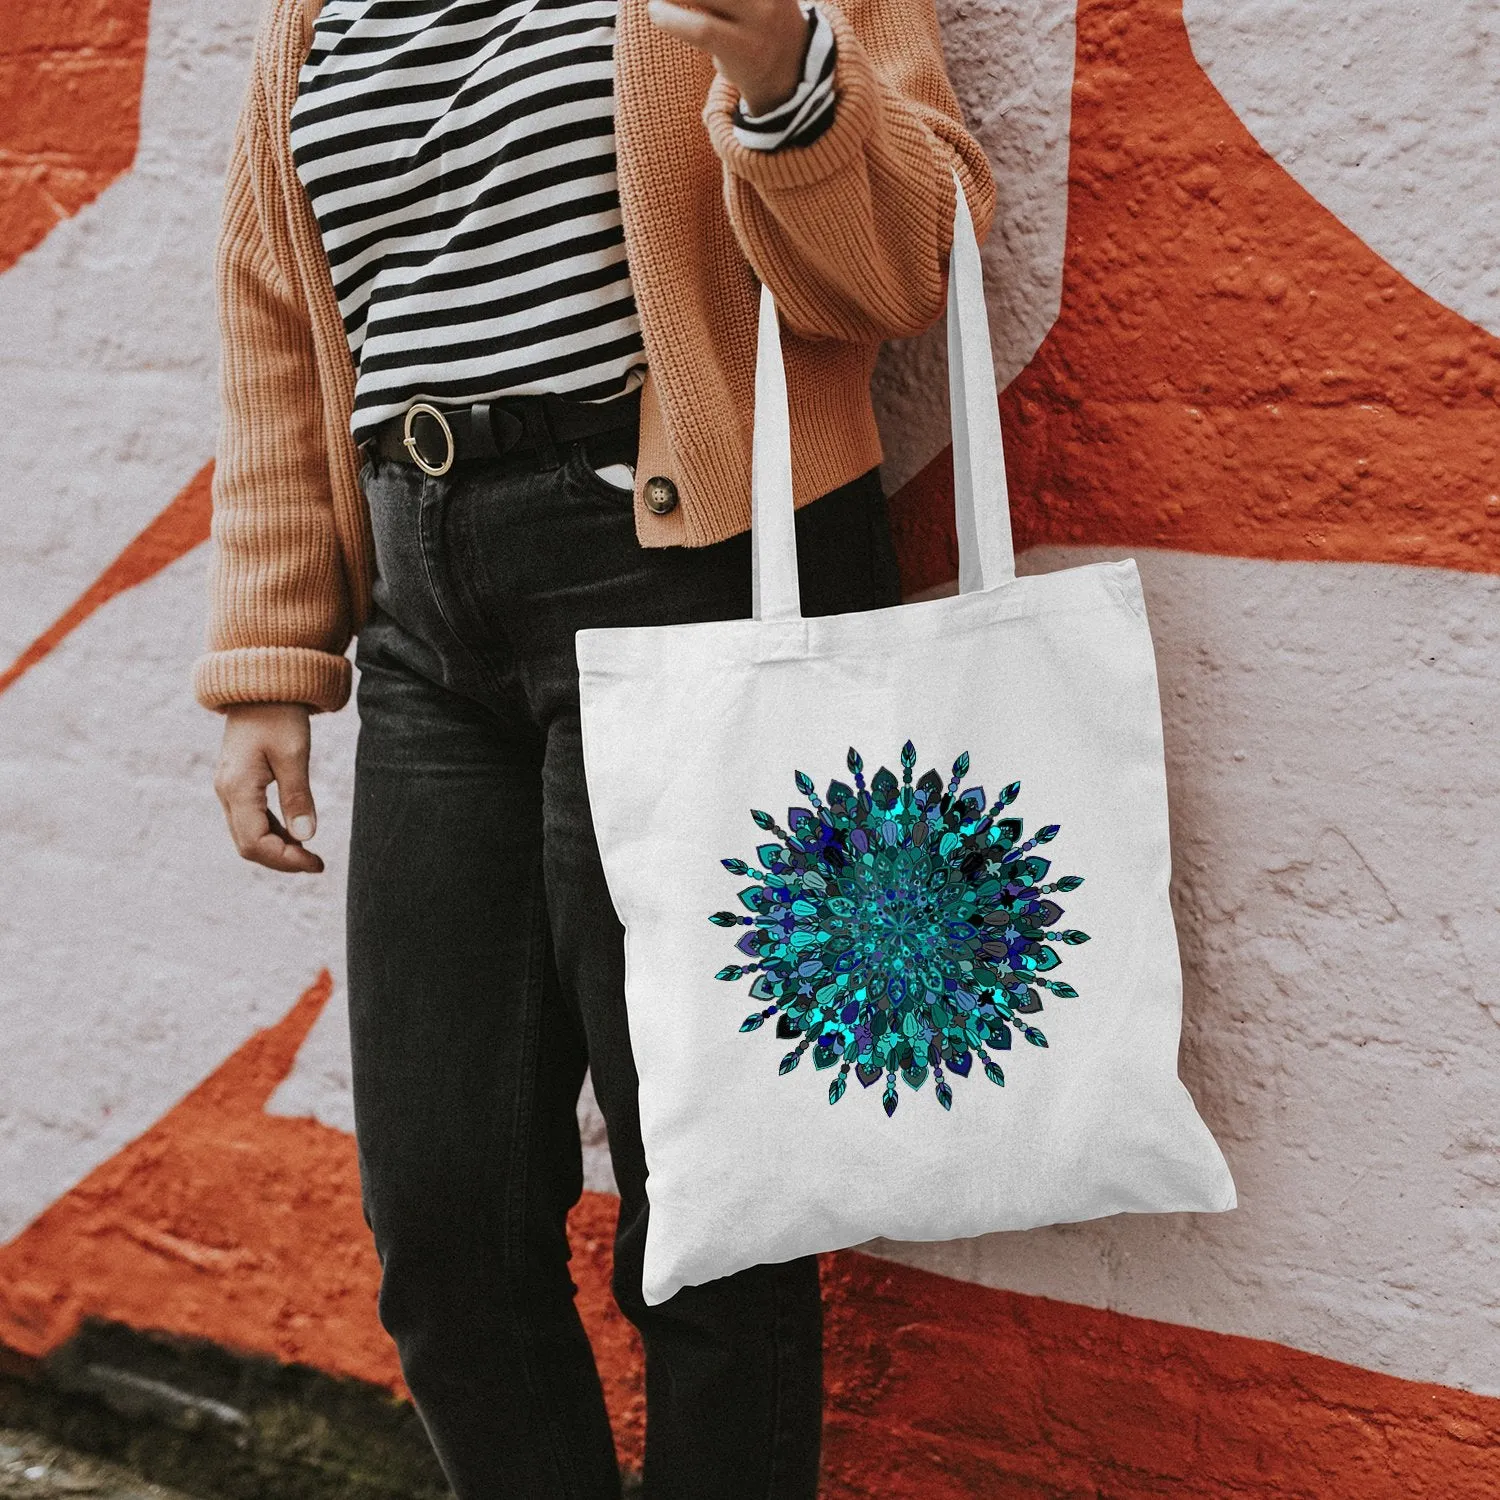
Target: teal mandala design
(900,928)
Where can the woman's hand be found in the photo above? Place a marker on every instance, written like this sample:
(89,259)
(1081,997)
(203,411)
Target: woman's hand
(758,45)
(266,742)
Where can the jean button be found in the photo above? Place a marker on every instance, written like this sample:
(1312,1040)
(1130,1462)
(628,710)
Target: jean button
(661,495)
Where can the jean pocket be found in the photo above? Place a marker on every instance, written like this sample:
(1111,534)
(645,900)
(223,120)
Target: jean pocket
(582,470)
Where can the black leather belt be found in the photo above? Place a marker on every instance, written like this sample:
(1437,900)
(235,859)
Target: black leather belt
(434,438)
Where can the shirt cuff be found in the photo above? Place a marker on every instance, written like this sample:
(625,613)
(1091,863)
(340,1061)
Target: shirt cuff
(800,120)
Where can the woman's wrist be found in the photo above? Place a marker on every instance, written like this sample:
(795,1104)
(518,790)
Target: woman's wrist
(779,89)
(809,110)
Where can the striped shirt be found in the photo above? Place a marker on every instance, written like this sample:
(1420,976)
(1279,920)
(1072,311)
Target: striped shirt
(459,158)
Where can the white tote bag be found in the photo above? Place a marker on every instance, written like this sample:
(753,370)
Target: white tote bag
(900,959)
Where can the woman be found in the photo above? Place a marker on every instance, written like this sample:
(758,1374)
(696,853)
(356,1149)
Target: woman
(488,288)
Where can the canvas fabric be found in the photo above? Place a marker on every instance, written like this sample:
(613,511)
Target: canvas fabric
(900,957)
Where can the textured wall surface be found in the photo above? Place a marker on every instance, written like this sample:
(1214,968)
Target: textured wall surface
(1243,289)
(70,80)
(1384,110)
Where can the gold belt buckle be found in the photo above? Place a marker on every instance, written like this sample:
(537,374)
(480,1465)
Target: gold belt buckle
(409,442)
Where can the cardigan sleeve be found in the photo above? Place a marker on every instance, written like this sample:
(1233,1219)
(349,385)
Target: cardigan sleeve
(852,232)
(279,619)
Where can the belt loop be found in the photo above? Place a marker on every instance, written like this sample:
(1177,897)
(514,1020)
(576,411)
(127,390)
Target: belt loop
(482,430)
(369,453)
(539,429)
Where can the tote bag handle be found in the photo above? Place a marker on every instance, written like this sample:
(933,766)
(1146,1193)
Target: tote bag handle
(981,498)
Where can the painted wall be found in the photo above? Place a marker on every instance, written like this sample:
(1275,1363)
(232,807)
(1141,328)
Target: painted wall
(1246,302)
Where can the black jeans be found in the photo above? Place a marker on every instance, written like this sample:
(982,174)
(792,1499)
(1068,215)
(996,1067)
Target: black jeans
(486,970)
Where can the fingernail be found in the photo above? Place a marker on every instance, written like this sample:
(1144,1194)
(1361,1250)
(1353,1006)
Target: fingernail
(302,827)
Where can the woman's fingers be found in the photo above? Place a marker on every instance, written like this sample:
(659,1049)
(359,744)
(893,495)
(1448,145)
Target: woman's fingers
(289,854)
(256,833)
(293,790)
(723,10)
(702,28)
(265,743)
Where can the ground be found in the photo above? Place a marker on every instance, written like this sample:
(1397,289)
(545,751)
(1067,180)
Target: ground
(34,1466)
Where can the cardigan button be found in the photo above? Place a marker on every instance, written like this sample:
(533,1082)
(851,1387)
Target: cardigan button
(661,495)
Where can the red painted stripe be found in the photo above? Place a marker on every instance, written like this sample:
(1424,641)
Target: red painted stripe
(1232,370)
(175,531)
(221,1221)
(70,104)
(940,1389)
(225,1223)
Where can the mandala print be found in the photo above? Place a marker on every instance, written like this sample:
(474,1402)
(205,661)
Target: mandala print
(900,928)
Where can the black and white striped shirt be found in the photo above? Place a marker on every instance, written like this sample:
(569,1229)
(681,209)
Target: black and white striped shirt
(459,157)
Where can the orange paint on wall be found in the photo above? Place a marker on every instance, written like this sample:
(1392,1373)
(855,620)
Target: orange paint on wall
(221,1221)
(175,531)
(938,1389)
(1232,370)
(70,100)
(225,1223)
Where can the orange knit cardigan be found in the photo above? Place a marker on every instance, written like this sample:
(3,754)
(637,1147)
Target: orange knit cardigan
(851,234)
